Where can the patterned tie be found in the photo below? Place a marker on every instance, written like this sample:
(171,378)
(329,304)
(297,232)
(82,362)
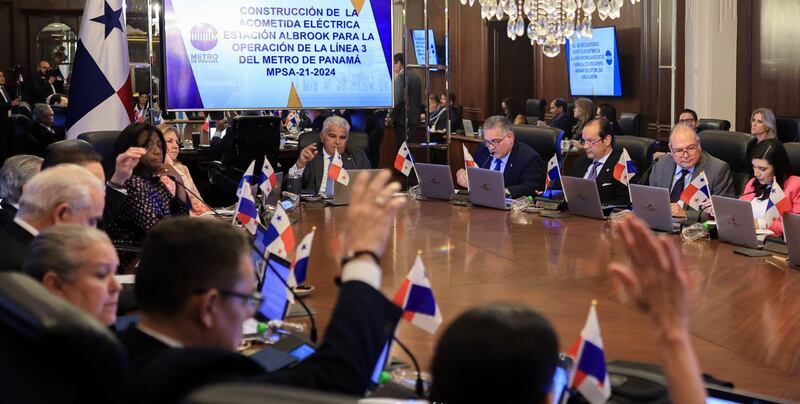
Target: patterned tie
(677,189)
(329,181)
(497,163)
(593,173)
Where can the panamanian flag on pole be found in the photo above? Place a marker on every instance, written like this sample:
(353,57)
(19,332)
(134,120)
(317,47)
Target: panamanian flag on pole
(468,160)
(280,236)
(415,297)
(697,192)
(625,169)
(778,203)
(336,170)
(403,162)
(267,179)
(590,376)
(553,172)
(100,96)
(246,210)
(300,264)
(247,177)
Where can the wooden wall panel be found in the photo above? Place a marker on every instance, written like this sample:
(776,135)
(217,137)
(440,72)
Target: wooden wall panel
(510,68)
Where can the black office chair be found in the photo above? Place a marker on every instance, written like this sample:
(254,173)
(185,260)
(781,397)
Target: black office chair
(59,120)
(52,351)
(640,149)
(732,148)
(631,123)
(22,131)
(242,393)
(103,143)
(355,140)
(788,128)
(534,110)
(544,139)
(713,124)
(793,150)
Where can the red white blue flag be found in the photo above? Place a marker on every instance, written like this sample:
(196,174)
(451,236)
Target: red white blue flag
(300,265)
(468,160)
(553,172)
(697,192)
(246,210)
(246,178)
(267,179)
(280,236)
(590,376)
(778,203)
(403,162)
(336,170)
(100,96)
(415,297)
(625,169)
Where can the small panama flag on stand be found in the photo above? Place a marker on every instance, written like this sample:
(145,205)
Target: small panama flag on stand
(403,162)
(589,375)
(625,169)
(246,209)
(267,179)
(697,192)
(300,265)
(336,170)
(468,160)
(553,172)
(280,236)
(415,297)
(247,177)
(777,205)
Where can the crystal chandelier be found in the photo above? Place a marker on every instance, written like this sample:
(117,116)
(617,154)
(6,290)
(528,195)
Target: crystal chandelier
(550,22)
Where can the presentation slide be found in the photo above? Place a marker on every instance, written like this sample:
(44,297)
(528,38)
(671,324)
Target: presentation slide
(419,46)
(270,54)
(593,64)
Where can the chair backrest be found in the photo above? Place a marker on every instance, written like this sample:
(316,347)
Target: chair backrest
(253,138)
(631,123)
(241,393)
(793,150)
(640,149)
(733,148)
(534,110)
(22,128)
(545,140)
(788,128)
(44,338)
(713,124)
(103,143)
(355,140)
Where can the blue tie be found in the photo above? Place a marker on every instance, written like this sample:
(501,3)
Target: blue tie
(329,182)
(497,163)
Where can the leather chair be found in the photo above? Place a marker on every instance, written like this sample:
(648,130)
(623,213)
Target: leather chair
(534,110)
(243,393)
(640,149)
(22,129)
(631,123)
(103,143)
(793,150)
(52,351)
(788,128)
(733,148)
(544,139)
(355,140)
(713,124)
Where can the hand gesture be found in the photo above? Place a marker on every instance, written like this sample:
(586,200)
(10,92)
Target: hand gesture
(371,212)
(126,162)
(461,178)
(307,154)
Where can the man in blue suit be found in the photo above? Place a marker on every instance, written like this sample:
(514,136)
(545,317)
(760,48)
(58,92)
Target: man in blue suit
(522,168)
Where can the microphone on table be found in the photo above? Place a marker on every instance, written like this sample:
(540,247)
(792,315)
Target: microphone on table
(418,388)
(645,176)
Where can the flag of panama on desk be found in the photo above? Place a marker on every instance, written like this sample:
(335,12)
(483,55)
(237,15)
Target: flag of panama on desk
(697,192)
(590,376)
(415,297)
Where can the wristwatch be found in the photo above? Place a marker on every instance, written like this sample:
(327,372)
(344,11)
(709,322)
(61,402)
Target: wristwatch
(351,255)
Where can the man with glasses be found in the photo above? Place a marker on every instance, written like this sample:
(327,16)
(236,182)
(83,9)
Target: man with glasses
(687,161)
(689,118)
(599,160)
(522,168)
(196,286)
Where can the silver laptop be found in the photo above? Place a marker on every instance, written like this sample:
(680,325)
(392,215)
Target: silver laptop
(435,181)
(652,205)
(791,233)
(487,188)
(341,193)
(735,222)
(582,197)
(468,130)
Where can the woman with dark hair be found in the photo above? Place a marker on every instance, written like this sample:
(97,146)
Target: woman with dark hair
(513,112)
(148,200)
(771,164)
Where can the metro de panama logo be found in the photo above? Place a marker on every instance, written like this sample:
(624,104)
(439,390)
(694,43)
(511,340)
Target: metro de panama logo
(203,37)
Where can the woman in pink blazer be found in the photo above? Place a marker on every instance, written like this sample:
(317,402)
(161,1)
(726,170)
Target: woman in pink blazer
(770,161)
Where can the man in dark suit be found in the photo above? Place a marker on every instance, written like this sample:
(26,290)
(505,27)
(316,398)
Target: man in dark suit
(7,103)
(601,155)
(414,101)
(312,164)
(686,161)
(65,194)
(16,171)
(522,168)
(45,83)
(42,132)
(195,286)
(561,119)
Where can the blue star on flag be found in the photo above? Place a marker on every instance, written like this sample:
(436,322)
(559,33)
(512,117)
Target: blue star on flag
(111,19)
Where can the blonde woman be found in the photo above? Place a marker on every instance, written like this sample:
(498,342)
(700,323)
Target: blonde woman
(173,149)
(584,111)
(762,124)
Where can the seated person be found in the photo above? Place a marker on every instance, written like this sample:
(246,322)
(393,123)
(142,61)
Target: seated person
(770,162)
(195,287)
(63,194)
(762,124)
(601,155)
(522,168)
(77,263)
(58,99)
(584,112)
(686,162)
(311,164)
(561,118)
(42,132)
(148,200)
(16,171)
(173,148)
(437,112)
(689,118)
(513,111)
(608,113)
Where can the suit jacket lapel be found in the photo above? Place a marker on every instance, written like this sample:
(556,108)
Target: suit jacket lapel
(701,166)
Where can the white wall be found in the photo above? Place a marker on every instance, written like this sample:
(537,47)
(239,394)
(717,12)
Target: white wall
(711,59)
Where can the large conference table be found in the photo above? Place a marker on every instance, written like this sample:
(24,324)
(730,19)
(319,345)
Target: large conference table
(745,313)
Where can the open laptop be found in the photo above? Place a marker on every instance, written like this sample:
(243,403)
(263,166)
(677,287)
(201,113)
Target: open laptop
(468,130)
(487,188)
(735,222)
(435,181)
(341,192)
(652,205)
(582,197)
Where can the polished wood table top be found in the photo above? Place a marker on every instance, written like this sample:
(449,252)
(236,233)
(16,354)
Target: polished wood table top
(745,313)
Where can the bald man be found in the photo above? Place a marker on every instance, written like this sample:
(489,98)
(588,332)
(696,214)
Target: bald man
(685,162)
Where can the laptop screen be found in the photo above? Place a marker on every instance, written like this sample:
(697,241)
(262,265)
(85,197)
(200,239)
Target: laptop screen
(276,302)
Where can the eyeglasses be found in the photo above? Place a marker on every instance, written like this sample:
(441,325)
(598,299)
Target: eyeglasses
(686,151)
(590,142)
(254,300)
(494,142)
(687,121)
